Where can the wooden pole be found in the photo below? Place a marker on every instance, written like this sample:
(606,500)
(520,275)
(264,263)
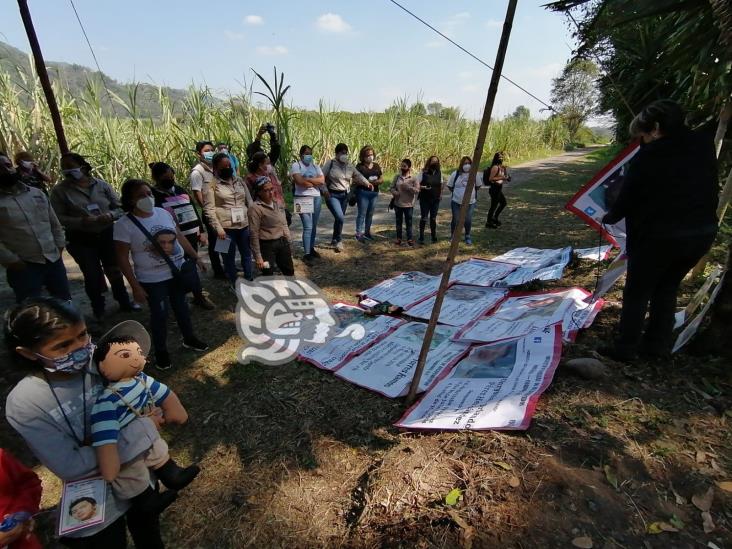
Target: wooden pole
(454,243)
(43,75)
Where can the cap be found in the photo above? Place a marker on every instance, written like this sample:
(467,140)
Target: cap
(260,182)
(129,328)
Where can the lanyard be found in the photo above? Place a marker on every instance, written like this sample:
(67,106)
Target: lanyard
(80,442)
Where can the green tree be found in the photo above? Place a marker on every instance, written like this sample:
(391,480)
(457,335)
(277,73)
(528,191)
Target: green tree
(418,108)
(575,95)
(434,108)
(521,113)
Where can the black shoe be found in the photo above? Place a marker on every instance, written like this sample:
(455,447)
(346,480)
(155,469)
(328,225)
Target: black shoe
(151,502)
(315,254)
(434,239)
(308,259)
(130,307)
(175,477)
(195,344)
(162,360)
(496,223)
(618,353)
(220,276)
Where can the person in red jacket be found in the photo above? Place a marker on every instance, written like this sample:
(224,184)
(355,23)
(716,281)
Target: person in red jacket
(20,492)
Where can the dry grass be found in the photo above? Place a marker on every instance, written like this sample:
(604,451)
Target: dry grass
(293,457)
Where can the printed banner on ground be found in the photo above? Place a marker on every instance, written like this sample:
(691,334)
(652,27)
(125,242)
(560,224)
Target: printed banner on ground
(339,345)
(404,290)
(387,367)
(595,199)
(686,313)
(462,303)
(495,387)
(690,330)
(480,272)
(534,264)
(596,253)
(524,313)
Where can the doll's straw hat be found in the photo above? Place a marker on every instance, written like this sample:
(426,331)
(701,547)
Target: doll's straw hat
(132,329)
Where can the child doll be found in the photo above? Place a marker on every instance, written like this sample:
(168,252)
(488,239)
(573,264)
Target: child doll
(120,357)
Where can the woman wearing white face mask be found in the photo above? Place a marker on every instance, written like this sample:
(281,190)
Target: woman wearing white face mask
(457,183)
(87,207)
(152,278)
(29,172)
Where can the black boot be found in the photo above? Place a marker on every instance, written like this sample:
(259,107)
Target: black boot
(175,477)
(433,229)
(422,224)
(151,502)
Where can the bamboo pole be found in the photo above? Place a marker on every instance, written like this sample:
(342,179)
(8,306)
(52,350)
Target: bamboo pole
(43,75)
(454,243)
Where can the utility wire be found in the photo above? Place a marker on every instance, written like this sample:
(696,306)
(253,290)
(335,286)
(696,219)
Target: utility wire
(94,56)
(478,59)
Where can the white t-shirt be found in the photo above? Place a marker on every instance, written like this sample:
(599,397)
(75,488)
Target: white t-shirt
(148,265)
(200,177)
(460,185)
(313,170)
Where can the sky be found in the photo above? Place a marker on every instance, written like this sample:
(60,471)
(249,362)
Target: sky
(354,55)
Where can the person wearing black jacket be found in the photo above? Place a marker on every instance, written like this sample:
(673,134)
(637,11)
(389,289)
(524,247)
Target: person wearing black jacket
(669,202)
(430,191)
(274,144)
(174,198)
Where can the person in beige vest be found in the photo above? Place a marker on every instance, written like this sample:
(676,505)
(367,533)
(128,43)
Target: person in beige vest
(271,239)
(404,189)
(226,201)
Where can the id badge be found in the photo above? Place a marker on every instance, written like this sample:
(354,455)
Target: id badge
(237,215)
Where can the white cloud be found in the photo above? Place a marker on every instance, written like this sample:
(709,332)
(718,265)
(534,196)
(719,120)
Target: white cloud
(550,70)
(470,87)
(434,44)
(234,36)
(454,21)
(461,15)
(271,50)
(493,23)
(254,20)
(332,22)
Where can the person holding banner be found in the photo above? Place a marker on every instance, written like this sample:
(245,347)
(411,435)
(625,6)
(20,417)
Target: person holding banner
(668,201)
(497,176)
(309,183)
(457,183)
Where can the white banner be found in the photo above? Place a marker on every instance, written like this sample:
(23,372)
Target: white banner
(685,314)
(480,272)
(595,199)
(340,346)
(534,264)
(462,303)
(525,313)
(404,289)
(387,367)
(495,387)
(614,271)
(596,253)
(689,332)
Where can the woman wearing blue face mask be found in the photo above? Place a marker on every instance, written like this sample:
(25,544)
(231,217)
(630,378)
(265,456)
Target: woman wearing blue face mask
(51,410)
(87,207)
(309,183)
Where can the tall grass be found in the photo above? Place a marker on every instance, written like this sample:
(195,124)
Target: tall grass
(121,147)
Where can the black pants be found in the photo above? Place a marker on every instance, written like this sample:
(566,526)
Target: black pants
(197,290)
(428,207)
(145,530)
(656,268)
(213,255)
(406,215)
(95,256)
(277,252)
(498,201)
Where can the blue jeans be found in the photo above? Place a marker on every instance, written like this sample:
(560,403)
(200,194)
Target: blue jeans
(310,225)
(30,281)
(239,239)
(337,204)
(159,295)
(468,217)
(366,200)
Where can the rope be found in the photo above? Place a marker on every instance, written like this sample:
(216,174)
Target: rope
(478,59)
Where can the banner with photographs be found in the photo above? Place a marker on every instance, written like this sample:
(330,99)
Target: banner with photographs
(340,344)
(524,313)
(480,272)
(403,290)
(495,387)
(534,264)
(595,199)
(461,304)
(387,367)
